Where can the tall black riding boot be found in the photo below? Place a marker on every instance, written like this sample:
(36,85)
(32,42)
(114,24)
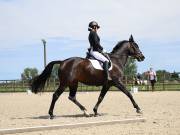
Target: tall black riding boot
(105,67)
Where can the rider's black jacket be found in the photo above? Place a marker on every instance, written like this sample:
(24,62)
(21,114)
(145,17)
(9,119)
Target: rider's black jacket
(94,41)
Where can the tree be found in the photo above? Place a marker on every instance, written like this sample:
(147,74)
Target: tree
(130,67)
(174,76)
(29,73)
(163,75)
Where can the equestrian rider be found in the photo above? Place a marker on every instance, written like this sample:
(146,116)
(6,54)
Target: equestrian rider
(96,50)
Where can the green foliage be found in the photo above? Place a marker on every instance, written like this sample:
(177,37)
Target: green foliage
(163,75)
(175,76)
(130,67)
(29,73)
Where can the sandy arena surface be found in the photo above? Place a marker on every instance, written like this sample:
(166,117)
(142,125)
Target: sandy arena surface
(161,110)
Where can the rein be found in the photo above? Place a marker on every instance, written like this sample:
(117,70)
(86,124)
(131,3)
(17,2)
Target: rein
(115,55)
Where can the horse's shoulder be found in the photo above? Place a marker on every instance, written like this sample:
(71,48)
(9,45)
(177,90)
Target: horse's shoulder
(117,70)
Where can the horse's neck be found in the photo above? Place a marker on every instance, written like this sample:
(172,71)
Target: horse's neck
(120,55)
(119,60)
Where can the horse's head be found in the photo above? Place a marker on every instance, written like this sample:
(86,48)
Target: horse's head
(128,48)
(134,50)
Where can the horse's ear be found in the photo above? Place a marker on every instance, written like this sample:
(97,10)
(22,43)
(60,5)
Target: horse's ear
(131,39)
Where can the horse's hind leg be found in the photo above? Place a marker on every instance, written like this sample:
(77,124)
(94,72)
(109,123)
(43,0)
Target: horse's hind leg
(101,97)
(56,95)
(72,97)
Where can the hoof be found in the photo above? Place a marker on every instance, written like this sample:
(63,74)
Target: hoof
(51,117)
(86,114)
(139,111)
(97,114)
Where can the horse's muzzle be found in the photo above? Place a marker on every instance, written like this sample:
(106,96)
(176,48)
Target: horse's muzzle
(140,57)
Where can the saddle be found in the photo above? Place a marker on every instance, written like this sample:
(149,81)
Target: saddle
(97,64)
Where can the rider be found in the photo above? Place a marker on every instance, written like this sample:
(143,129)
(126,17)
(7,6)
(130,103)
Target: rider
(96,49)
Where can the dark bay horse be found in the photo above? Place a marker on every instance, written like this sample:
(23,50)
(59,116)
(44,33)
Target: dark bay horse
(76,69)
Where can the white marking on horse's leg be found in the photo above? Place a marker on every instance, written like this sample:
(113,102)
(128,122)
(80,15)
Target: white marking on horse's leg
(86,113)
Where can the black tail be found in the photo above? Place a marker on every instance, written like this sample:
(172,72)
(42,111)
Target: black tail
(38,82)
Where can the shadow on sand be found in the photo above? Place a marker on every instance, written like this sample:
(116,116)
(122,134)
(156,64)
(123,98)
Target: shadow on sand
(65,116)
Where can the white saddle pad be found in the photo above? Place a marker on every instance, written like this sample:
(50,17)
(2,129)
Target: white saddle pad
(97,65)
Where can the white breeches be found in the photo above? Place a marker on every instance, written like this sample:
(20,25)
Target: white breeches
(99,56)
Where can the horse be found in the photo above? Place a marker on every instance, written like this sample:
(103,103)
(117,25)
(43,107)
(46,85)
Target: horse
(76,69)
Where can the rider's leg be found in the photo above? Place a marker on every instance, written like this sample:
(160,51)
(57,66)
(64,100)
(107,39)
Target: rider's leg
(99,56)
(105,61)
(105,67)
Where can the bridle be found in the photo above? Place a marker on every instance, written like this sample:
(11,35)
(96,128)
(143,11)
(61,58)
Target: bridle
(131,45)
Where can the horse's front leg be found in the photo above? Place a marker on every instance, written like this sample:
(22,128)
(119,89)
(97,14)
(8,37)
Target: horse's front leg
(101,96)
(121,87)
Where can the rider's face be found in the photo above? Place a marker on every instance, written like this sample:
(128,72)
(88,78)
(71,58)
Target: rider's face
(96,29)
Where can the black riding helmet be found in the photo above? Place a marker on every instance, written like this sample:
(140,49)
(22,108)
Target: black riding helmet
(92,25)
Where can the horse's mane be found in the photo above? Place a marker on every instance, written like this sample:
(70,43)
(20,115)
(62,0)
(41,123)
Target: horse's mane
(118,45)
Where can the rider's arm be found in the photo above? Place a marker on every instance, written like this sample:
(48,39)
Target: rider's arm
(96,40)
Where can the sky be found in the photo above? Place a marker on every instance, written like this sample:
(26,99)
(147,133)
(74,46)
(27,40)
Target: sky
(154,25)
